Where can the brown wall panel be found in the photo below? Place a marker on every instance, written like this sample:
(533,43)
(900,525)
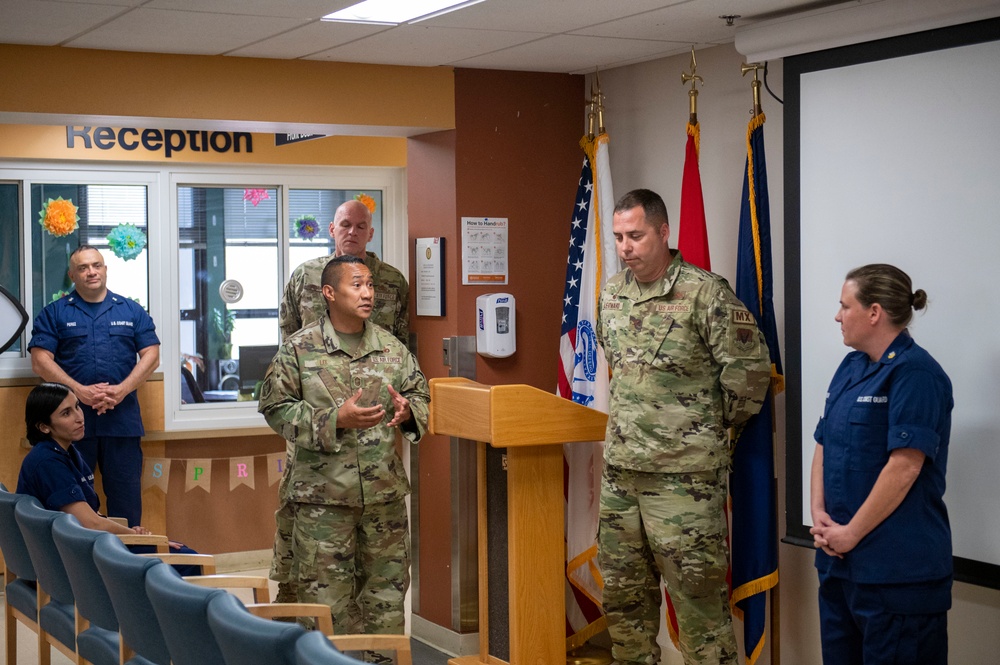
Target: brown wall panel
(517,156)
(514,153)
(431,213)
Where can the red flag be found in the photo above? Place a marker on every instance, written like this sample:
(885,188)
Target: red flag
(692,241)
(692,238)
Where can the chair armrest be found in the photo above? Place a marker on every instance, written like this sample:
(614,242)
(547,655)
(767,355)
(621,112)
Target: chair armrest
(119,520)
(260,586)
(162,543)
(206,561)
(317,611)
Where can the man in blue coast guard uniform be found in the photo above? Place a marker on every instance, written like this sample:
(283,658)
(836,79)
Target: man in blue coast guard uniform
(103,346)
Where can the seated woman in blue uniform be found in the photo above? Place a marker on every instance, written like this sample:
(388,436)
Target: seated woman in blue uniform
(878,478)
(54,472)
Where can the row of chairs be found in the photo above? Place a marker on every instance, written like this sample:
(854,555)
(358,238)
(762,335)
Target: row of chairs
(83,592)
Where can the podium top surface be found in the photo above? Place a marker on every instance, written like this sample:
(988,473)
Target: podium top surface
(510,415)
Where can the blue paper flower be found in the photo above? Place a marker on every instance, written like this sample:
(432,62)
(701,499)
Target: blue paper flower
(306,227)
(127,241)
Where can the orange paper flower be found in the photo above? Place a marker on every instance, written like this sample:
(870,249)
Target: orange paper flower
(59,217)
(367,200)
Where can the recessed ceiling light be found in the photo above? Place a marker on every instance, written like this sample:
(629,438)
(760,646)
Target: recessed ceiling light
(393,12)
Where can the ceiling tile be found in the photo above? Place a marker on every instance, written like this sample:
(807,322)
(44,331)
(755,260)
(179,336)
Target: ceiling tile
(550,16)
(165,31)
(425,46)
(310,39)
(690,21)
(571,53)
(48,23)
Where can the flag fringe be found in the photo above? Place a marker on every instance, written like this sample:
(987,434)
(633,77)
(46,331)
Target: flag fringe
(675,637)
(695,131)
(777,381)
(752,656)
(589,146)
(578,639)
(752,588)
(756,123)
(585,558)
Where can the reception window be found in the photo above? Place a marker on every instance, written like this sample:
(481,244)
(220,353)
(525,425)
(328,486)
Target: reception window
(230,286)
(205,249)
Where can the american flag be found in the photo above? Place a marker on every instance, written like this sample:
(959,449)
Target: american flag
(583,377)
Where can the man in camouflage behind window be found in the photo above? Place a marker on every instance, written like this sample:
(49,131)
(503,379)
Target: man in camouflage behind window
(336,390)
(351,229)
(687,362)
(303,303)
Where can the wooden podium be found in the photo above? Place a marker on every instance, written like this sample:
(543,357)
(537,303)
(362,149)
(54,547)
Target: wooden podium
(531,424)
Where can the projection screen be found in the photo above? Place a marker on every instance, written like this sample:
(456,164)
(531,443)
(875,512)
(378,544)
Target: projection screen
(893,156)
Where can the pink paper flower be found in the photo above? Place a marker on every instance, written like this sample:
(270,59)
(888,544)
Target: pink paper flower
(255,196)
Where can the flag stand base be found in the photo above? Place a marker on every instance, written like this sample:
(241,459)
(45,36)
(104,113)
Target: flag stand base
(589,654)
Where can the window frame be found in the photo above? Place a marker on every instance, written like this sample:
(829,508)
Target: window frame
(162,181)
(18,364)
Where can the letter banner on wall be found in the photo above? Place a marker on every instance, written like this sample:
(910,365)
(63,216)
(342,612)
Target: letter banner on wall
(156,473)
(198,474)
(275,467)
(240,472)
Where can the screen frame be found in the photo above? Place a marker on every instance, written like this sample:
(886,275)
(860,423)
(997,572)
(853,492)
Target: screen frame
(796,531)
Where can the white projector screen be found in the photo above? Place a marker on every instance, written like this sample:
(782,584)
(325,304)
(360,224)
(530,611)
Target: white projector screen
(893,156)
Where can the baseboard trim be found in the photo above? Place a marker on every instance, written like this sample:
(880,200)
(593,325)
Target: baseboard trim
(444,639)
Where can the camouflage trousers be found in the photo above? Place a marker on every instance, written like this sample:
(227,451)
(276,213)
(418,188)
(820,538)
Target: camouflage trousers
(357,561)
(655,525)
(281,562)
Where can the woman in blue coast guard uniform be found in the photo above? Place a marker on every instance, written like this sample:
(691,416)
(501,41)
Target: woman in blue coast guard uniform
(878,481)
(55,473)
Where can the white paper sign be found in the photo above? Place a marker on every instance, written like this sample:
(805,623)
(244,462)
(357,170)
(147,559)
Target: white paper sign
(484,250)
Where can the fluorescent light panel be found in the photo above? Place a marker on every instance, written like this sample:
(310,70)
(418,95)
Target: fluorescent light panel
(392,12)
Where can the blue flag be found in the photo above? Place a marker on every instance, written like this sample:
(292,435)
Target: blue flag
(751,483)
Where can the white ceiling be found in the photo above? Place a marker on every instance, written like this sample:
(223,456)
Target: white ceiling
(573,36)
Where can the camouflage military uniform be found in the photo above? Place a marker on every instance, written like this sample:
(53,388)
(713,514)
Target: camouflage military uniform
(344,489)
(687,362)
(301,304)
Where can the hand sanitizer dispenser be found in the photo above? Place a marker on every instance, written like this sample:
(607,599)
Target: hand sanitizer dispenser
(495,325)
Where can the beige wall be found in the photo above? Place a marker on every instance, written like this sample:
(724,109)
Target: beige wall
(647,109)
(223,88)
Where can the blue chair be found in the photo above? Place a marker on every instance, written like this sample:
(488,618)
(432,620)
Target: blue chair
(18,575)
(56,613)
(97,641)
(124,575)
(318,649)
(245,639)
(182,611)
(314,648)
